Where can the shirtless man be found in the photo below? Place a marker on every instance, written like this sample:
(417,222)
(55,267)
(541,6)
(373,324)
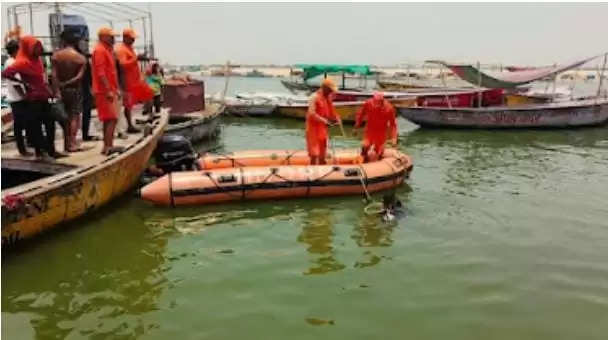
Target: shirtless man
(68,69)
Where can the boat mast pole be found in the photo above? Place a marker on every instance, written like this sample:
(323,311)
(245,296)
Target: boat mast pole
(554,84)
(15,18)
(152,55)
(31,19)
(599,87)
(479,85)
(227,76)
(8,22)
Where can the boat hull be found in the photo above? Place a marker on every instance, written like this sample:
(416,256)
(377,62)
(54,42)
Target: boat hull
(560,115)
(196,128)
(347,111)
(68,195)
(280,181)
(250,110)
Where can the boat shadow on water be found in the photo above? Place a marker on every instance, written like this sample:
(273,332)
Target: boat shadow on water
(74,268)
(316,221)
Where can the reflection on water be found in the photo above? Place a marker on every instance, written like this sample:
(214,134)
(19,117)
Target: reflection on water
(372,232)
(75,284)
(505,234)
(196,224)
(317,232)
(501,158)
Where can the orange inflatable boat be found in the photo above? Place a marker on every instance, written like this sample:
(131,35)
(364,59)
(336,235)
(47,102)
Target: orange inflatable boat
(273,174)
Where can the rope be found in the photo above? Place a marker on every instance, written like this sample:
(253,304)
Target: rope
(288,158)
(371,203)
(327,174)
(217,186)
(232,159)
(377,208)
(367,195)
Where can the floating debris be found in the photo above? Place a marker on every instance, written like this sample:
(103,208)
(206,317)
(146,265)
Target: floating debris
(319,322)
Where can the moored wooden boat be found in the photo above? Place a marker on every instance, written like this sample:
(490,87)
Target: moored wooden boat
(253,110)
(279,175)
(398,86)
(189,115)
(199,125)
(347,110)
(295,86)
(71,187)
(550,115)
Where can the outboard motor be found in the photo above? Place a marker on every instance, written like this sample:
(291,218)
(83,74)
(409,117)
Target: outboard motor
(175,153)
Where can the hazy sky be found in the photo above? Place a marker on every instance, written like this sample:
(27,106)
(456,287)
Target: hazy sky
(383,34)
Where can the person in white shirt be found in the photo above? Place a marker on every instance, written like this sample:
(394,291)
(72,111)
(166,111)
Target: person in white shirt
(16,98)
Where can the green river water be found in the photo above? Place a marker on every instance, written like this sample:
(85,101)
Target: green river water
(505,236)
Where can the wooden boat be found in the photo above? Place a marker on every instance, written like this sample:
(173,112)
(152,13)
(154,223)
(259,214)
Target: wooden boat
(310,71)
(277,175)
(504,105)
(346,109)
(295,86)
(197,126)
(550,115)
(39,196)
(252,110)
(189,115)
(251,105)
(398,86)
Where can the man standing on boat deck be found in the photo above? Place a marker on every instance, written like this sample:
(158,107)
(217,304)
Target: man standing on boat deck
(134,88)
(68,69)
(15,96)
(105,87)
(380,116)
(30,68)
(321,113)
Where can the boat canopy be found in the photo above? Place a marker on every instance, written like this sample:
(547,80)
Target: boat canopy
(313,70)
(508,80)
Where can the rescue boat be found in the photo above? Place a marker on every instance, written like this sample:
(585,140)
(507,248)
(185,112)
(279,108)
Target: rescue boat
(273,174)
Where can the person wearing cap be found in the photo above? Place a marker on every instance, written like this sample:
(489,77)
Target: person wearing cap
(15,96)
(380,117)
(134,88)
(105,87)
(68,69)
(321,113)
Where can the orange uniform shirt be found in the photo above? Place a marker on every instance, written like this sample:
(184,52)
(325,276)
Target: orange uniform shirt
(127,58)
(324,107)
(379,119)
(137,90)
(103,65)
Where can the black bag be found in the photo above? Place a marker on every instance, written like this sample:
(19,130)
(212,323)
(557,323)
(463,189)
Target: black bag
(58,113)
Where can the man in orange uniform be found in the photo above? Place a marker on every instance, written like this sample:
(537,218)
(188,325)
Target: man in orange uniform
(321,112)
(134,88)
(105,86)
(380,116)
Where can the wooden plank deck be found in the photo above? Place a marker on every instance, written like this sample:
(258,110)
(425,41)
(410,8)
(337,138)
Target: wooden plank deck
(76,161)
